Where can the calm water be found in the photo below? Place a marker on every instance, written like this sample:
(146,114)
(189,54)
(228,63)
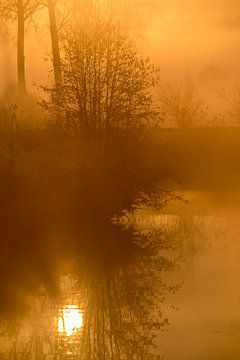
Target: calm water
(166,288)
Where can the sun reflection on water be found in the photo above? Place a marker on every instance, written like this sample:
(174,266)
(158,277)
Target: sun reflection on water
(70,320)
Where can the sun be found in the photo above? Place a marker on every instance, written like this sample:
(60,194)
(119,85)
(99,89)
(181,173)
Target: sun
(69,320)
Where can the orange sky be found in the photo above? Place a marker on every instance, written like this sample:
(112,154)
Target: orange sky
(179,35)
(190,34)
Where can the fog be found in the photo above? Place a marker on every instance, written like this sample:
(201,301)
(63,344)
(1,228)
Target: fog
(181,37)
(185,35)
(119,180)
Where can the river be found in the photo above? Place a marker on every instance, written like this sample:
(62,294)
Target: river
(163,286)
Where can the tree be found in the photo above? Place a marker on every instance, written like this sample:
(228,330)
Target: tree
(232,99)
(106,83)
(55,42)
(20,10)
(180,103)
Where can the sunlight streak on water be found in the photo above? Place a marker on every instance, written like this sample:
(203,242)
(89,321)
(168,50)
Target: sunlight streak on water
(70,320)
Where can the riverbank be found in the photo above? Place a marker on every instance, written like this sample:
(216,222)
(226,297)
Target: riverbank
(200,158)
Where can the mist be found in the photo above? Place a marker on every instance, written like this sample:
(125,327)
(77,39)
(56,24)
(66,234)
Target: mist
(119,180)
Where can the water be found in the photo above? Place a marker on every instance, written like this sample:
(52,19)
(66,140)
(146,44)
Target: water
(206,324)
(166,288)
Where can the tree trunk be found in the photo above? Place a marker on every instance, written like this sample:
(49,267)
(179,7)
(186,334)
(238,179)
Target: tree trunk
(20,50)
(55,43)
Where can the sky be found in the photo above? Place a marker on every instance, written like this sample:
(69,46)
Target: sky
(185,35)
(180,36)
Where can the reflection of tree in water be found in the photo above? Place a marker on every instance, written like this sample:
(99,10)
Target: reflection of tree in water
(122,306)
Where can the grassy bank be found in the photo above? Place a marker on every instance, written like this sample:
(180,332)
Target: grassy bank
(199,158)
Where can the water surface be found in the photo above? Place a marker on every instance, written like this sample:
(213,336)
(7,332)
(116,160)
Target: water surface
(165,286)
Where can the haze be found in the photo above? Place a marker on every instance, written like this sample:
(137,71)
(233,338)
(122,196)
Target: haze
(119,180)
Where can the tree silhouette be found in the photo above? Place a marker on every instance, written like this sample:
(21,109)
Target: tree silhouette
(106,83)
(180,103)
(20,10)
(55,42)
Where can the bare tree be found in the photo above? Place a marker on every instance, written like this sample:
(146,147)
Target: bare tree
(180,103)
(106,83)
(55,42)
(20,10)
(232,99)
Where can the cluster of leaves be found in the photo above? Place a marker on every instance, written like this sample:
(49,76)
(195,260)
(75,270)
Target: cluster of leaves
(156,198)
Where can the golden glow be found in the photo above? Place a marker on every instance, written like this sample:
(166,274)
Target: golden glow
(70,320)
